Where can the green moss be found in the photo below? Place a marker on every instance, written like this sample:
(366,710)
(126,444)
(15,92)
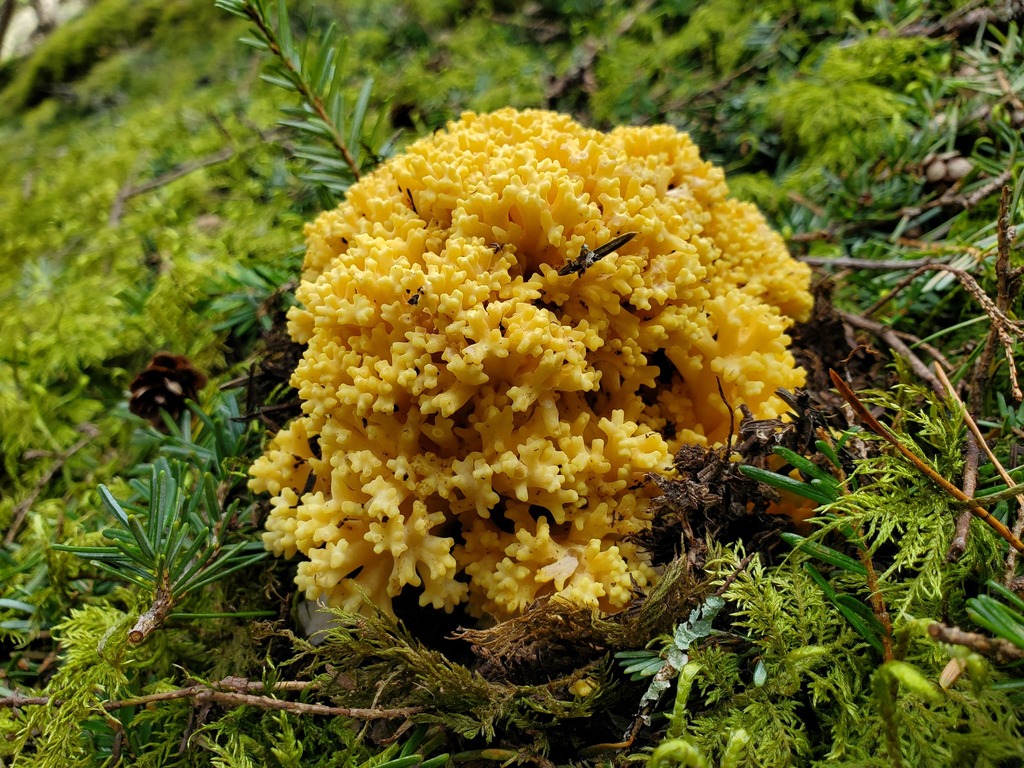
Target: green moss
(837,124)
(75,47)
(760,189)
(474,65)
(850,104)
(895,62)
(722,34)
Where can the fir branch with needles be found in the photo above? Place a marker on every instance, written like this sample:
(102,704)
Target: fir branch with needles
(172,544)
(173,535)
(341,145)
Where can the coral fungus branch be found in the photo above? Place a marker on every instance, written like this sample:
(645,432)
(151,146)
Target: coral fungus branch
(876,427)
(465,371)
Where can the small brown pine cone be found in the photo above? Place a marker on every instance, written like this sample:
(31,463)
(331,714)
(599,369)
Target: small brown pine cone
(166,383)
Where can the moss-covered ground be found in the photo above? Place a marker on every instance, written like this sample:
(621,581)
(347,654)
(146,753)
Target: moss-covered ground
(149,201)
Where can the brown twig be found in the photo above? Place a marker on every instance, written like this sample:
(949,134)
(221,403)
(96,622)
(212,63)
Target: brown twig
(581,74)
(979,440)
(154,618)
(1003,329)
(1002,651)
(886,334)
(810,205)
(922,466)
(303,708)
(847,262)
(740,567)
(963,521)
(970,482)
(951,197)
(127,192)
(893,292)
(231,691)
(996,313)
(935,353)
(1007,284)
(1008,93)
(22,508)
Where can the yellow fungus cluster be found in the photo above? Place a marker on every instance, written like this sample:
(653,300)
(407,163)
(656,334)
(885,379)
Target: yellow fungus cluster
(475,424)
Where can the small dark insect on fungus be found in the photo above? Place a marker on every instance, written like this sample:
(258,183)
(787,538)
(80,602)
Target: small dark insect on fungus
(588,258)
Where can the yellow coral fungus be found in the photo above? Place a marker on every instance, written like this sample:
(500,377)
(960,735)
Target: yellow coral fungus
(477,425)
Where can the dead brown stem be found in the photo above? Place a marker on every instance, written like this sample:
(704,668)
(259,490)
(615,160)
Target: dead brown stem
(152,619)
(876,427)
(951,197)
(979,440)
(963,521)
(231,691)
(1002,651)
(889,336)
(126,192)
(1007,285)
(1003,330)
(847,262)
(22,508)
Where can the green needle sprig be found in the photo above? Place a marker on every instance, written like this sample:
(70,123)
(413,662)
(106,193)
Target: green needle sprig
(172,544)
(340,145)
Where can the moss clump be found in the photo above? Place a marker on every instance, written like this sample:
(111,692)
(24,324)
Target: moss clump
(852,103)
(74,48)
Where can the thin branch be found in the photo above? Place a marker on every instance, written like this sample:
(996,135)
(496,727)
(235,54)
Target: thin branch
(127,192)
(1003,329)
(810,205)
(998,315)
(1006,291)
(893,292)
(1002,651)
(302,708)
(232,692)
(740,567)
(979,439)
(951,197)
(581,74)
(922,466)
(21,510)
(1008,93)
(889,336)
(929,348)
(847,262)
(963,521)
(151,620)
(975,440)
